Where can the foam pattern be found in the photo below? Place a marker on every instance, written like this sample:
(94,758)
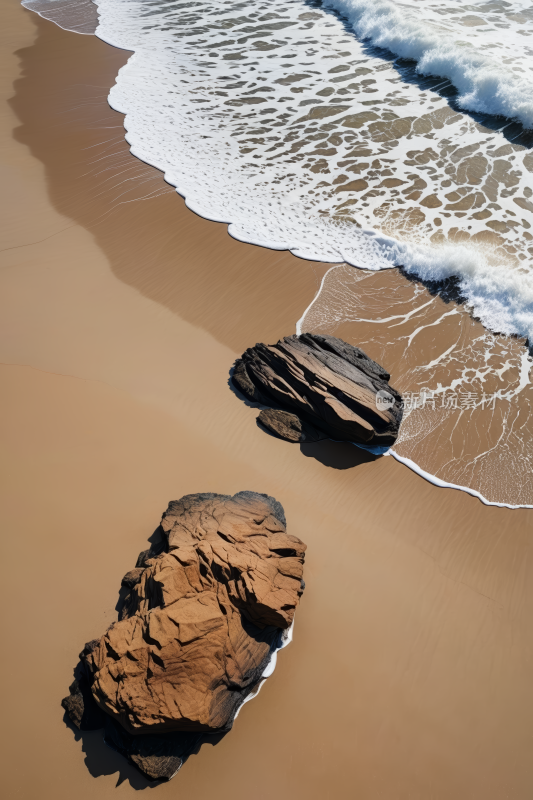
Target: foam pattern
(275,118)
(486,55)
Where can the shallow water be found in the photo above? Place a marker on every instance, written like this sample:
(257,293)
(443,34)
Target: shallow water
(79,16)
(466,391)
(295,126)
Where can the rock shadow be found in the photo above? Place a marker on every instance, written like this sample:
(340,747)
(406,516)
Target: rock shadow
(337,455)
(101,760)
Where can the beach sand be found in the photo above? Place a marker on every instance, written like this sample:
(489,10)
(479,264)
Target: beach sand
(411,670)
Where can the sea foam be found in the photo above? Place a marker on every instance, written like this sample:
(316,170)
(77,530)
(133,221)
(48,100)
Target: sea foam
(216,114)
(485,84)
(499,292)
(220,94)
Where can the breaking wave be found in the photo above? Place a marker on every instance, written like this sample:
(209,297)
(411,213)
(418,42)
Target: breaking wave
(485,84)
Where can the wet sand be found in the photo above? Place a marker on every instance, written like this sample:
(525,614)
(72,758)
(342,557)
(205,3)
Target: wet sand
(410,674)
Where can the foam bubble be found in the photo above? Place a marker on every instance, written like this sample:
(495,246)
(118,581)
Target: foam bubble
(485,84)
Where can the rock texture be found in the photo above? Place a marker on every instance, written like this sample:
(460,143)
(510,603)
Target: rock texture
(319,386)
(201,617)
(289,426)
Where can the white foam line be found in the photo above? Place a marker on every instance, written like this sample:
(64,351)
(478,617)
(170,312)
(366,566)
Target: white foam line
(445,485)
(313,301)
(439,359)
(430,325)
(286,638)
(403,317)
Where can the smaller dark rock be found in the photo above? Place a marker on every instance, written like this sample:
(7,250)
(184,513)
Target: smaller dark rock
(289,426)
(322,382)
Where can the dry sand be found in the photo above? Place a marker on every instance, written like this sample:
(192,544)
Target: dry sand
(411,671)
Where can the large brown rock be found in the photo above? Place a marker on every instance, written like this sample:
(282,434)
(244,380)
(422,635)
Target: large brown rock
(325,385)
(199,625)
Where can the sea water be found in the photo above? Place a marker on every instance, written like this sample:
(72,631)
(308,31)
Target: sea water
(375,135)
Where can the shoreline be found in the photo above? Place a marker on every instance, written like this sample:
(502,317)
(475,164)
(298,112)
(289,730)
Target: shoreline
(467,257)
(128,314)
(425,467)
